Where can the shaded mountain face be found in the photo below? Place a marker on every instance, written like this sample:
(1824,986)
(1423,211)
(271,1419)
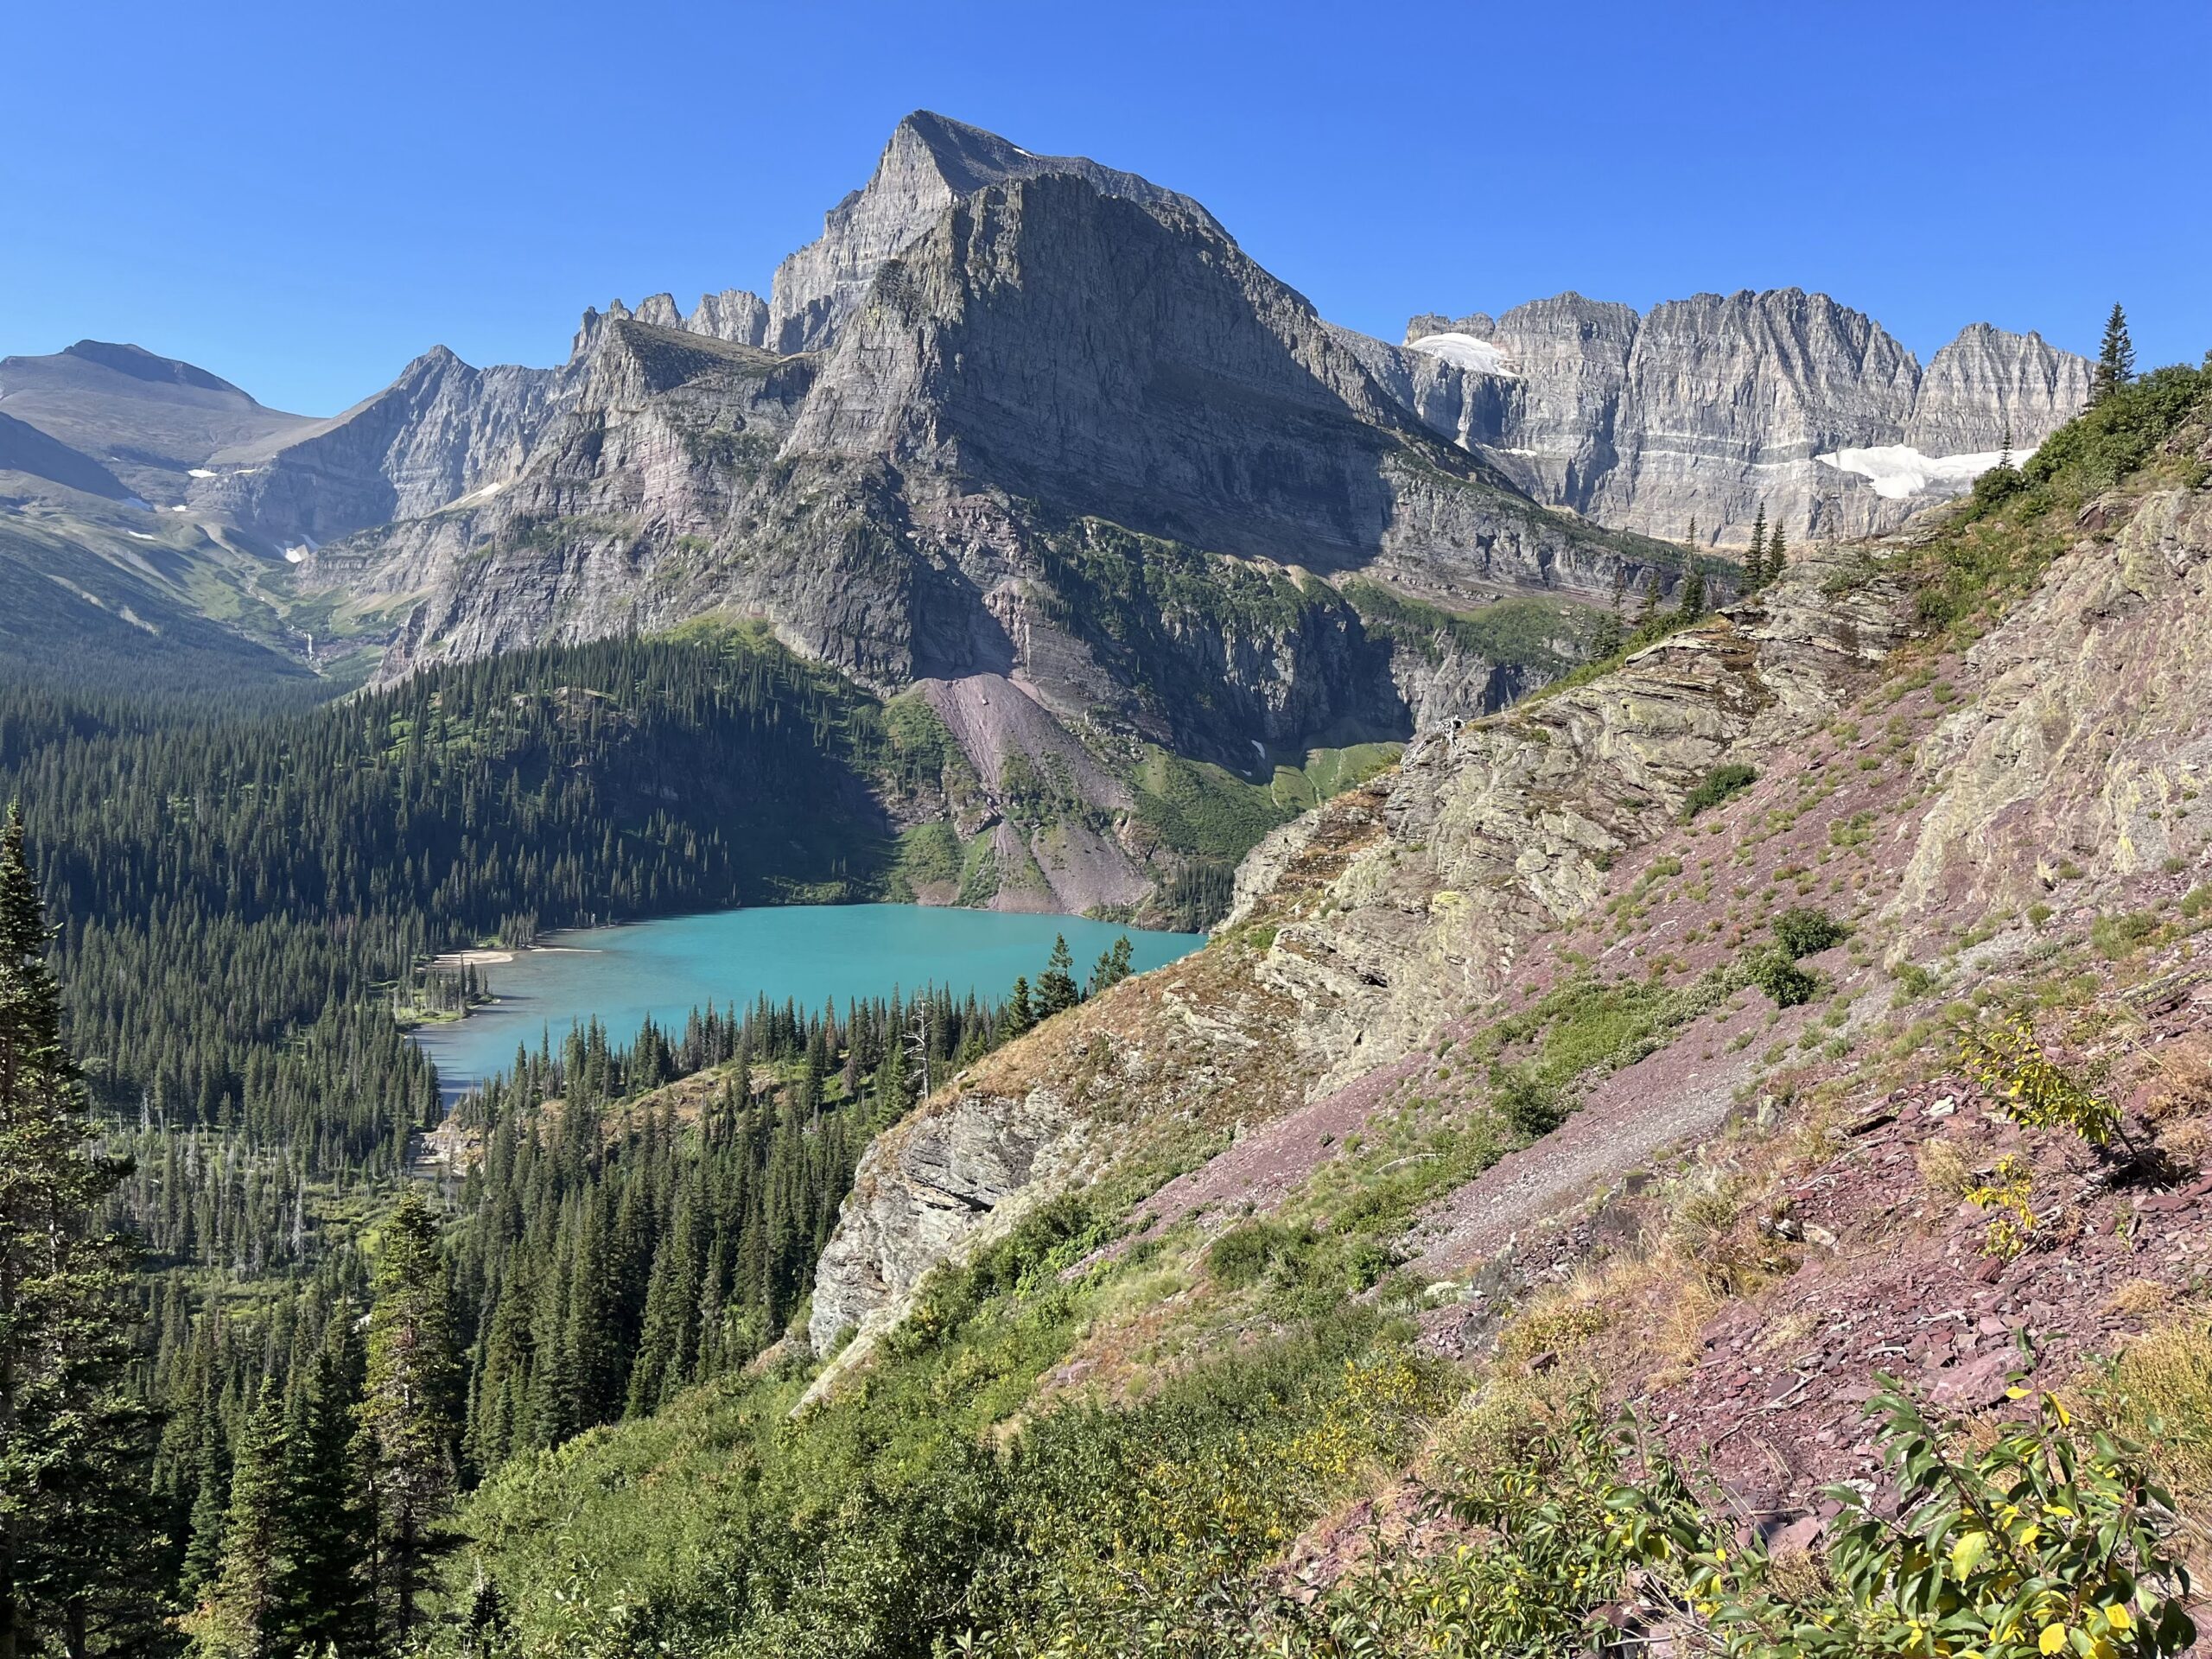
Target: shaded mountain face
(38,460)
(148,420)
(1714,407)
(930,163)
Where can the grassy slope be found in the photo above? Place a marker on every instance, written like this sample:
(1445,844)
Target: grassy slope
(965,1475)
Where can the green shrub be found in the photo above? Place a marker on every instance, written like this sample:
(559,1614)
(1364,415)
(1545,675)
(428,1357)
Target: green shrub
(2042,1541)
(1805,932)
(1528,1105)
(1777,973)
(1253,1251)
(1718,785)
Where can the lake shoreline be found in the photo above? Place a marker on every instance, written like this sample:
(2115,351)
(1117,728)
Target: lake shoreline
(664,968)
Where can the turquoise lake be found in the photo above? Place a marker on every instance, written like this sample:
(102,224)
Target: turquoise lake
(807,952)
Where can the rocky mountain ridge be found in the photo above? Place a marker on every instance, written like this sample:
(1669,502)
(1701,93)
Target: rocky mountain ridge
(1714,409)
(1542,937)
(963,493)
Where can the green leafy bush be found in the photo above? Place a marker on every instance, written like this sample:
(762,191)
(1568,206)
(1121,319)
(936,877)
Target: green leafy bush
(1805,932)
(1717,785)
(1530,1104)
(2042,1541)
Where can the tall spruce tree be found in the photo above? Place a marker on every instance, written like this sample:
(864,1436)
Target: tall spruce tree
(1056,986)
(1691,605)
(2115,359)
(326,1588)
(1755,560)
(1775,552)
(74,1553)
(408,1432)
(244,1616)
(1112,966)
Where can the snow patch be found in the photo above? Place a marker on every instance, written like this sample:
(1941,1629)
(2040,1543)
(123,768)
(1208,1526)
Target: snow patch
(296,556)
(1898,470)
(1481,355)
(482,492)
(199,471)
(140,535)
(180,507)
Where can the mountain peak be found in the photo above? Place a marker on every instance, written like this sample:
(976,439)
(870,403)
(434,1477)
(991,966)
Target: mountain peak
(141,365)
(931,162)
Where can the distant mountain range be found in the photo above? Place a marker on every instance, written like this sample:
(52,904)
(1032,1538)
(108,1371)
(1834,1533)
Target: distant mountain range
(1036,440)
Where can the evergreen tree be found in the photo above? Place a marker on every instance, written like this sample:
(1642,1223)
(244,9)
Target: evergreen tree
(407,1429)
(1112,966)
(1690,606)
(1056,986)
(211,1504)
(72,1517)
(1776,551)
(244,1616)
(325,1591)
(2115,359)
(1608,637)
(1020,1016)
(1755,560)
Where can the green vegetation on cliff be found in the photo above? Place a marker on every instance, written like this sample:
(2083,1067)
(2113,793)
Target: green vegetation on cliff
(1550,635)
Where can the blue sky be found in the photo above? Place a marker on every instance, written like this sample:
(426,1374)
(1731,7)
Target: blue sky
(302,198)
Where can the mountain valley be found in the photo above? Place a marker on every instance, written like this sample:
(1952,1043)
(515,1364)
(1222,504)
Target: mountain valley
(1679,1120)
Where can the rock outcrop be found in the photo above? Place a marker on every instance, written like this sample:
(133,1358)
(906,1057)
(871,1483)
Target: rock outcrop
(1425,890)
(1713,408)
(439,432)
(930,163)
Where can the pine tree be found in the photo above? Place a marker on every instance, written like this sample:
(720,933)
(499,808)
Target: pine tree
(1690,606)
(1112,966)
(1775,552)
(1755,560)
(1607,637)
(1020,1016)
(1056,986)
(407,1429)
(211,1503)
(244,1616)
(2115,359)
(326,1590)
(72,1525)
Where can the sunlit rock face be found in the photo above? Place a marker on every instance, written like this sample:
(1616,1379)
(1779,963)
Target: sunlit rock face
(1709,411)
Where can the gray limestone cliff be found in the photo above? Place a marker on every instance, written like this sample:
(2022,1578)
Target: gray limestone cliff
(439,432)
(930,163)
(1071,462)
(1714,408)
